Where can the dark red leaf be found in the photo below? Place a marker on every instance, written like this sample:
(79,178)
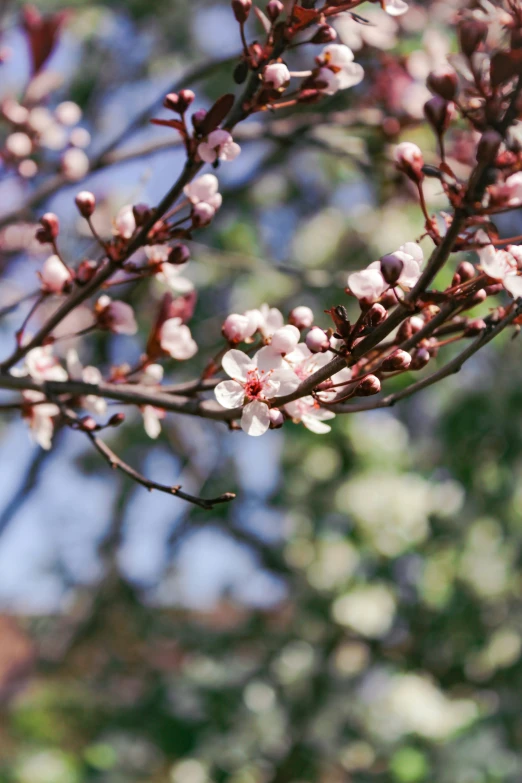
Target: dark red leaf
(42,34)
(216,114)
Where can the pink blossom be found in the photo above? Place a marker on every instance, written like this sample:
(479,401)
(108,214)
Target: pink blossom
(68,113)
(19,145)
(204,189)
(252,387)
(307,411)
(511,190)
(41,365)
(54,275)
(168,273)
(115,316)
(39,417)
(337,71)
(302,317)
(284,341)
(367,284)
(202,214)
(276,75)
(89,374)
(176,340)
(75,164)
(218,146)
(408,157)
(503,265)
(238,328)
(125,222)
(152,416)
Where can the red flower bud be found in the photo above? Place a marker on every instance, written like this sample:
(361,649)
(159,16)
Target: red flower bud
(471,34)
(368,386)
(241,9)
(399,360)
(142,214)
(86,203)
(274,9)
(488,146)
(171,101)
(464,272)
(376,314)
(391,268)
(443,82)
(474,327)
(85,272)
(439,113)
(197,119)
(325,34)
(179,254)
(116,420)
(185,99)
(50,228)
(420,359)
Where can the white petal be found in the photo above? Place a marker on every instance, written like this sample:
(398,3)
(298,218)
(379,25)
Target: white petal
(229,394)
(367,284)
(315,425)
(513,284)
(268,359)
(255,419)
(395,7)
(350,75)
(151,422)
(288,381)
(237,364)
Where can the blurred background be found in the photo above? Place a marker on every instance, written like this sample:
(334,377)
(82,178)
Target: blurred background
(355,614)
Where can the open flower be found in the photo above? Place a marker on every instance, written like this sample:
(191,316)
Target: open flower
(117,317)
(252,387)
(369,284)
(54,276)
(89,374)
(204,190)
(310,413)
(125,222)
(337,69)
(176,340)
(218,146)
(41,365)
(39,416)
(168,273)
(284,341)
(152,416)
(503,265)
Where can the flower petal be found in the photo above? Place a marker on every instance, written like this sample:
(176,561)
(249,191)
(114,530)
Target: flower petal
(229,394)
(255,419)
(268,359)
(237,364)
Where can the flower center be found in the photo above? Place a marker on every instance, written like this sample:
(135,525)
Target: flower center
(253,385)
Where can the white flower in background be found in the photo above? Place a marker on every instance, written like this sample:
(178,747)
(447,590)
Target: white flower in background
(125,222)
(380,33)
(283,341)
(19,145)
(511,190)
(204,189)
(269,319)
(218,146)
(307,411)
(152,416)
(54,275)
(503,265)
(338,71)
(237,328)
(89,374)
(395,7)
(276,75)
(167,273)
(41,365)
(117,317)
(369,610)
(68,113)
(176,339)
(253,385)
(75,164)
(39,417)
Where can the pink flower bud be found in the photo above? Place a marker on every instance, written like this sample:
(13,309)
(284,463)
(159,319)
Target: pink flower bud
(325,34)
(19,145)
(185,99)
(116,419)
(202,214)
(171,101)
(197,119)
(368,386)
(274,9)
(409,160)
(50,228)
(179,254)
(276,76)
(54,276)
(117,317)
(86,271)
(276,417)
(474,327)
(317,341)
(86,203)
(464,272)
(236,328)
(376,314)
(488,146)
(399,360)
(420,359)
(241,9)
(302,317)
(439,113)
(284,340)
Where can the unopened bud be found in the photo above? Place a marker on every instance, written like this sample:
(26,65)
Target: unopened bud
(274,9)
(325,34)
(376,314)
(241,9)
(50,228)
(420,359)
(179,254)
(443,82)
(439,113)
(464,272)
(88,424)
(477,298)
(488,146)
(368,386)
(277,418)
(86,203)
(185,99)
(171,101)
(391,268)
(198,118)
(317,341)
(409,160)
(474,327)
(116,420)
(142,214)
(86,271)
(302,317)
(399,360)
(202,214)
(471,34)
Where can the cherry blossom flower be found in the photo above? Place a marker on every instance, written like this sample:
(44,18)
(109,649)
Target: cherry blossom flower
(307,411)
(41,365)
(218,146)
(176,340)
(283,341)
(152,416)
(337,71)
(409,158)
(369,284)
(18,144)
(117,317)
(89,374)
(510,192)
(54,276)
(317,340)
(276,75)
(75,164)
(168,273)
(39,416)
(255,386)
(503,265)
(204,189)
(237,328)
(125,222)
(302,317)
